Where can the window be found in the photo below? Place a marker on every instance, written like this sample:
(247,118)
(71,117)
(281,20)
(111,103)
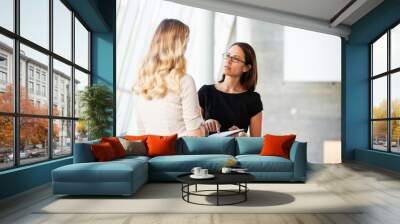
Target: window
(379,56)
(62,29)
(44,91)
(395,47)
(6,142)
(3,78)
(7,14)
(55,102)
(55,127)
(30,72)
(62,74)
(81,45)
(3,72)
(33,148)
(385,92)
(38,89)
(3,61)
(62,137)
(81,81)
(35,22)
(37,74)
(30,88)
(6,73)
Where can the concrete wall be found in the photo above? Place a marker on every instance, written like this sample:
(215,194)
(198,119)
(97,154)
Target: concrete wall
(311,110)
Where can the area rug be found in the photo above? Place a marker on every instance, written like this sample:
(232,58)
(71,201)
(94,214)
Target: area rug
(167,198)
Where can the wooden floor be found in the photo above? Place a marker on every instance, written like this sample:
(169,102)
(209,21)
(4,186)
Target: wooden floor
(377,188)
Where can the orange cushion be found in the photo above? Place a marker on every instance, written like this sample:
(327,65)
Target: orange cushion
(103,151)
(161,145)
(277,145)
(116,145)
(136,138)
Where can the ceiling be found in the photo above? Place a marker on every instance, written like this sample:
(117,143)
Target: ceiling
(321,9)
(326,16)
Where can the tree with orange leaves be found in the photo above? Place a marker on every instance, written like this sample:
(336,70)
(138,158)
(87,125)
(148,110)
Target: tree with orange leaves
(33,130)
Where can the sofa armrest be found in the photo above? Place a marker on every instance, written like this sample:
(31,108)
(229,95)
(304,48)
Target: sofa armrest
(83,152)
(298,155)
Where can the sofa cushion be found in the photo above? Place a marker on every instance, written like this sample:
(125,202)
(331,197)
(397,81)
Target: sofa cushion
(112,171)
(185,163)
(249,145)
(257,163)
(133,158)
(275,145)
(116,145)
(136,137)
(161,145)
(134,147)
(103,151)
(204,145)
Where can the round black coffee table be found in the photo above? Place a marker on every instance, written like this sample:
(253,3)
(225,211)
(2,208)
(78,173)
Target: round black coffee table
(238,179)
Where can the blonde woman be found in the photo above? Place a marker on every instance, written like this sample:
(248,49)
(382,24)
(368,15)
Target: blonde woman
(167,102)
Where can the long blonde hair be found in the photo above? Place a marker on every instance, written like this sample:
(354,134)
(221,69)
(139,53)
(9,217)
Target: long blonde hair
(164,64)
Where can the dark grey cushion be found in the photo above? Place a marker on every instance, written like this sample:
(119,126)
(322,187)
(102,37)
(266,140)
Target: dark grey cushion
(137,148)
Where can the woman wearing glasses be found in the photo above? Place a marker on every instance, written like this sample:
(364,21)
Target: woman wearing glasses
(232,102)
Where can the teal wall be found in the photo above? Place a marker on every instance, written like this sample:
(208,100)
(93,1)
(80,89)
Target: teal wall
(24,178)
(103,63)
(356,100)
(376,158)
(100,17)
(102,58)
(104,52)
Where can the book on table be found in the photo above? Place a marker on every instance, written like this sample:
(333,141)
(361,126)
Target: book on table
(226,133)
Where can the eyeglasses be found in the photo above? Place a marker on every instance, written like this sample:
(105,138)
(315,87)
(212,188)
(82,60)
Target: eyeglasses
(234,59)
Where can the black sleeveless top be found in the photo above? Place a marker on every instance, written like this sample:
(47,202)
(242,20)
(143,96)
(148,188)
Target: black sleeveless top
(229,109)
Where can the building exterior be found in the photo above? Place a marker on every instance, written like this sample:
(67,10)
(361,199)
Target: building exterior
(34,80)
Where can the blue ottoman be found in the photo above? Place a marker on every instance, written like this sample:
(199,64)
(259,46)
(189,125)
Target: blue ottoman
(118,177)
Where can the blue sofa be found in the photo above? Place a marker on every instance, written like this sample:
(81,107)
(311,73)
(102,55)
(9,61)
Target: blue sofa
(125,176)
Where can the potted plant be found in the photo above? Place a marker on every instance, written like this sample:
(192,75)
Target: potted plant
(97,104)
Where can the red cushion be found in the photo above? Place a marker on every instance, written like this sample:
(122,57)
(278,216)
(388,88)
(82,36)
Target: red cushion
(277,145)
(161,145)
(116,145)
(103,151)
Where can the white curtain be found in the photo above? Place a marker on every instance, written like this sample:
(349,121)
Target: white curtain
(136,24)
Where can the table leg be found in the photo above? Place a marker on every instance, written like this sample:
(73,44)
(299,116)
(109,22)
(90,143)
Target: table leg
(217,194)
(196,188)
(188,190)
(182,188)
(245,193)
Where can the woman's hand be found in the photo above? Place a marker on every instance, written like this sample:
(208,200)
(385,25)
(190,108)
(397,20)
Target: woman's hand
(212,125)
(240,134)
(234,127)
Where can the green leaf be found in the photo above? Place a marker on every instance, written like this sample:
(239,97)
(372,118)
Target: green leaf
(97,105)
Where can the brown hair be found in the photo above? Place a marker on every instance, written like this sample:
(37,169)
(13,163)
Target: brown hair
(249,78)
